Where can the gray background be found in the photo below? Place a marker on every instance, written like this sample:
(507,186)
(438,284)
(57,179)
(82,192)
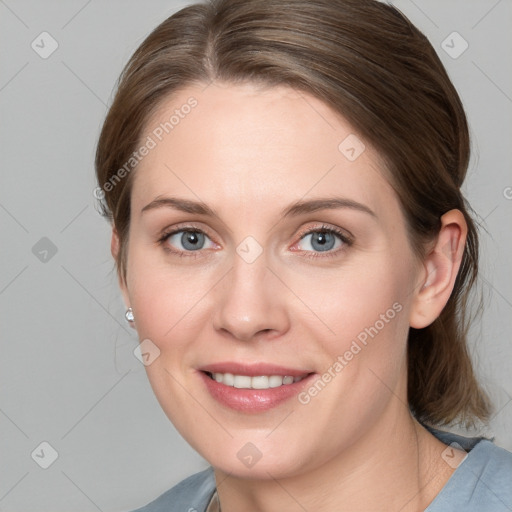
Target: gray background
(67,372)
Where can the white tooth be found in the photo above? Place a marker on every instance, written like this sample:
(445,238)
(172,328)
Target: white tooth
(274,381)
(242,381)
(228,379)
(260,382)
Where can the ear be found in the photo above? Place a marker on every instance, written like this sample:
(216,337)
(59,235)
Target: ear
(115,247)
(440,269)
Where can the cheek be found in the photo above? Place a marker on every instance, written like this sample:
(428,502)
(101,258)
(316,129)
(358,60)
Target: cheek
(365,307)
(168,300)
(170,310)
(357,302)
(162,305)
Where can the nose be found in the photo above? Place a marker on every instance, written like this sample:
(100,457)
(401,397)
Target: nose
(250,302)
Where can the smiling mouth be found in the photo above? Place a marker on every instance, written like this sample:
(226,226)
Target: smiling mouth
(254,382)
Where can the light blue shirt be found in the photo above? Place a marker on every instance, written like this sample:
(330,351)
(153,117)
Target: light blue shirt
(481,483)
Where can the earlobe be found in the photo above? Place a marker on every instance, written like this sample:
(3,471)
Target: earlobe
(439,270)
(114,249)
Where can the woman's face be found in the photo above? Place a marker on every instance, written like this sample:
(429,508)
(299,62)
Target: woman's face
(266,247)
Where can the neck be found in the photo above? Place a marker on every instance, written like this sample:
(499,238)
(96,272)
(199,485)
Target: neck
(396,465)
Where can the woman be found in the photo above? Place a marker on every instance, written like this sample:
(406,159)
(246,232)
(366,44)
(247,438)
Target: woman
(283,181)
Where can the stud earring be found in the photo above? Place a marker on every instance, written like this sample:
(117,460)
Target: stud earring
(129,315)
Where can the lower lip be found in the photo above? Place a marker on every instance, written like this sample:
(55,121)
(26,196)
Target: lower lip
(252,400)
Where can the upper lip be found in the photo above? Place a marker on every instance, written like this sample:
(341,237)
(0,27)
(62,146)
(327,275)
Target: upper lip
(253,369)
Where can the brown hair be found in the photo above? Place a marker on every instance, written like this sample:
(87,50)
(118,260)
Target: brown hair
(365,60)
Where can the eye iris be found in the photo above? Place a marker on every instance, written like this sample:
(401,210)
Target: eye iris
(192,240)
(322,241)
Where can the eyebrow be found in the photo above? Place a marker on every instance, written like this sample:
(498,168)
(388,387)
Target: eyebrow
(184,205)
(296,209)
(334,203)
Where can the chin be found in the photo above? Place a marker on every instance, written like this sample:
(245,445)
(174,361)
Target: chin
(255,457)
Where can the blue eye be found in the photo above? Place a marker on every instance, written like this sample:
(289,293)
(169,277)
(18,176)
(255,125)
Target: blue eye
(323,239)
(190,241)
(187,240)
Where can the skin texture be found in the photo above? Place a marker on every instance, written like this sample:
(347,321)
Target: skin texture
(248,153)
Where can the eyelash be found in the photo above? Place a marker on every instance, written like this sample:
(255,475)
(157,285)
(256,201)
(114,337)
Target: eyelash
(347,241)
(182,254)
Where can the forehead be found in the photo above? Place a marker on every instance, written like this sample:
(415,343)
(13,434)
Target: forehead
(234,145)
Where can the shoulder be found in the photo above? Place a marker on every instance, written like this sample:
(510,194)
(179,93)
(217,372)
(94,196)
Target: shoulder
(190,495)
(481,483)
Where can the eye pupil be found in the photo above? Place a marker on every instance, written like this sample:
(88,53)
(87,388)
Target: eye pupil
(322,241)
(192,240)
